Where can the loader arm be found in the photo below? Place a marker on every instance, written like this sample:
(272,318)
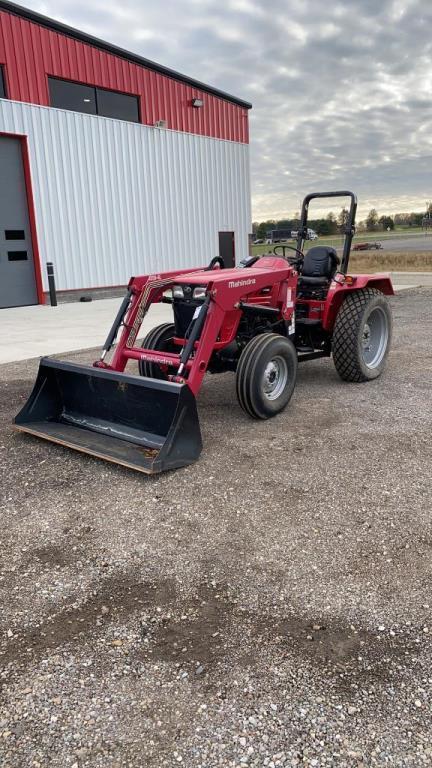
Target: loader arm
(146,423)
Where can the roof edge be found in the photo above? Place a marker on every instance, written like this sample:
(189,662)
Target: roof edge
(57,26)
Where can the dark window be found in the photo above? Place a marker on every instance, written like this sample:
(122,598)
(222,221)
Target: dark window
(93,101)
(14,234)
(67,95)
(118,105)
(17,255)
(2,84)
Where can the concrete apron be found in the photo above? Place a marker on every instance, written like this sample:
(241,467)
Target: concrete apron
(44,330)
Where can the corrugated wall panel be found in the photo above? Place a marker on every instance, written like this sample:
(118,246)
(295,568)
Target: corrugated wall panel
(114,199)
(31,52)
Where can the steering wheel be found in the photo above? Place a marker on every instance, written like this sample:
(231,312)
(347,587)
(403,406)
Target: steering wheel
(293,260)
(215,260)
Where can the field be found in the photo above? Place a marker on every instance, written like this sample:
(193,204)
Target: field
(391,261)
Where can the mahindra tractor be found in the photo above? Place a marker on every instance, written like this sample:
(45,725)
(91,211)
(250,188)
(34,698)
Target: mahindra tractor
(258,320)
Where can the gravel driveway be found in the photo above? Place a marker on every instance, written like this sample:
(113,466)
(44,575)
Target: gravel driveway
(268,606)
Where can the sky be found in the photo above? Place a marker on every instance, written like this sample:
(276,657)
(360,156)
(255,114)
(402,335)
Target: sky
(341,93)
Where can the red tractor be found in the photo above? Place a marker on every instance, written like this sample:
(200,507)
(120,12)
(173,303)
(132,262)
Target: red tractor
(258,320)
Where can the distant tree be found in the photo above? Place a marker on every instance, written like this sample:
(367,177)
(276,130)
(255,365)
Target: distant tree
(343,218)
(372,220)
(415,219)
(284,224)
(410,219)
(264,226)
(386,222)
(323,226)
(332,223)
(401,219)
(427,219)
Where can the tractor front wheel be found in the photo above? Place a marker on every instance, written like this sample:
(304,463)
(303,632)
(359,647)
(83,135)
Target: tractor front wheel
(160,339)
(362,335)
(266,375)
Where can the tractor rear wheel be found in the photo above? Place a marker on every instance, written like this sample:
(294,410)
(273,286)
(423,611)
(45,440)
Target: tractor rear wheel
(362,335)
(266,375)
(161,339)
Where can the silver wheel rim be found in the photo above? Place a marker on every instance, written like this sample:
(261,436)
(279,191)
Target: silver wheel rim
(275,378)
(374,339)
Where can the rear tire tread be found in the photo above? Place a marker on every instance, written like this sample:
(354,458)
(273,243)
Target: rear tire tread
(345,335)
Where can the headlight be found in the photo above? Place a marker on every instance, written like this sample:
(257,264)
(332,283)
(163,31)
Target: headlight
(178,292)
(199,292)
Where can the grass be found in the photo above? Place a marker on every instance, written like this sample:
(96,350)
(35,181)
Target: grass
(391,261)
(404,230)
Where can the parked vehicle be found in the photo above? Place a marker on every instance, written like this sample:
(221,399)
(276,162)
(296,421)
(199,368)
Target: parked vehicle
(367,246)
(311,235)
(278,236)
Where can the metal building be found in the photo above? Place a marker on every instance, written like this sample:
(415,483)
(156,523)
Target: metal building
(110,165)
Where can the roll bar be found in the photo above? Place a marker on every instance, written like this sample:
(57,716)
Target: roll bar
(349,229)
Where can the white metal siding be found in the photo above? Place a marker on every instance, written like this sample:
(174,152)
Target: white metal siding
(115,199)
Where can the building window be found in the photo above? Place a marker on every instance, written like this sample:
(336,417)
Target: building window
(2,84)
(119,105)
(74,96)
(93,101)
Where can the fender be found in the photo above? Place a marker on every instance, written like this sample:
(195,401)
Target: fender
(337,293)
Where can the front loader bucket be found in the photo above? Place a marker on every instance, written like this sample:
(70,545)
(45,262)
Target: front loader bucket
(147,424)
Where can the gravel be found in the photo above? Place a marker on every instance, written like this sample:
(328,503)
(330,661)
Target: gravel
(268,606)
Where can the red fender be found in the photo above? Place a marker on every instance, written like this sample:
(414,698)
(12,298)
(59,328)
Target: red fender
(337,292)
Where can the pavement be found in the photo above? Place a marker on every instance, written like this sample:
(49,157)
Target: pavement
(28,332)
(44,330)
(403,280)
(412,243)
(267,606)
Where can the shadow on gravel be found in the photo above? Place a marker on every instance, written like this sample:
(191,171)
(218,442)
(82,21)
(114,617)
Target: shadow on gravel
(76,624)
(53,556)
(218,631)
(207,630)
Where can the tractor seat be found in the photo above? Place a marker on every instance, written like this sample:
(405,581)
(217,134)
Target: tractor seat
(319,266)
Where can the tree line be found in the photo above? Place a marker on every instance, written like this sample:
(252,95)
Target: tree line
(333,224)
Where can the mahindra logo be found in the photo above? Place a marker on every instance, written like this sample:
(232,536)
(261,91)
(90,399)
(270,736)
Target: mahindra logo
(241,283)
(151,359)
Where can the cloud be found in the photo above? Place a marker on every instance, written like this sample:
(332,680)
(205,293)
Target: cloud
(342,92)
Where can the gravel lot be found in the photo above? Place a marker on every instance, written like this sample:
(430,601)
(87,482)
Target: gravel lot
(268,606)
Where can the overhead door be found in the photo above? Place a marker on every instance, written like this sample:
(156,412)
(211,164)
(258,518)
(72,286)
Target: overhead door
(17,275)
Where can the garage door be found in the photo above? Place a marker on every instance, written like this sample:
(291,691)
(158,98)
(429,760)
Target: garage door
(17,276)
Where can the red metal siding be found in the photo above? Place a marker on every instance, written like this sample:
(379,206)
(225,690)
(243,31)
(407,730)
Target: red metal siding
(31,52)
